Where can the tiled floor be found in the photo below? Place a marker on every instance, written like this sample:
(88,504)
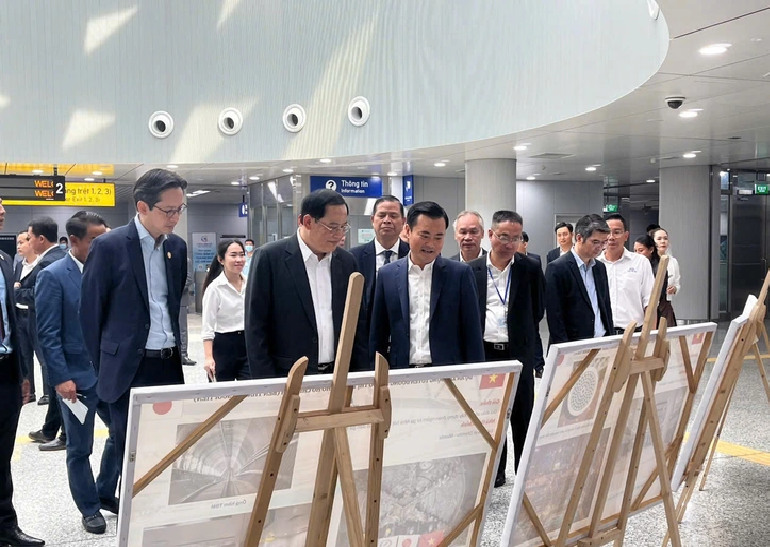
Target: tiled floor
(732,511)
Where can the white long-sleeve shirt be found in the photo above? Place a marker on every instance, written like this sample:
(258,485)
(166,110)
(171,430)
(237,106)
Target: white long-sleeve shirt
(223,307)
(673,276)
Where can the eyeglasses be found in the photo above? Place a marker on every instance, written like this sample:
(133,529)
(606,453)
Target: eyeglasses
(505,240)
(335,230)
(598,243)
(171,212)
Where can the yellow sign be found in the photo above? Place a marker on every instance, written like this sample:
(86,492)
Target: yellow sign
(64,169)
(79,194)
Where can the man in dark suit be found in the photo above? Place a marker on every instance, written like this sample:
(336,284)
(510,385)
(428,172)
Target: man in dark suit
(424,304)
(129,306)
(72,373)
(12,372)
(468,231)
(525,248)
(296,293)
(387,221)
(511,303)
(577,299)
(564,233)
(43,234)
(539,360)
(26,348)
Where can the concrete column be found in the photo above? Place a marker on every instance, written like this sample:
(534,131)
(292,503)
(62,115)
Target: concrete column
(689,212)
(490,185)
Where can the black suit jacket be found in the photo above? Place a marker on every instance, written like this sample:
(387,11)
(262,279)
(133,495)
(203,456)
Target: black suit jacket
(280,317)
(457,256)
(552,255)
(526,304)
(26,293)
(14,370)
(366,258)
(535,257)
(570,315)
(115,309)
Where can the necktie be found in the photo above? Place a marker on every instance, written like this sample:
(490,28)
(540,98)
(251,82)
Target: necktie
(388,254)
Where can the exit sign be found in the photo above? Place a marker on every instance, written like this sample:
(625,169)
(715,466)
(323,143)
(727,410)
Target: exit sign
(761,189)
(611,208)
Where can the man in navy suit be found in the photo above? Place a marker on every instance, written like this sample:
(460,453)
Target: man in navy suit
(57,299)
(577,292)
(12,373)
(425,305)
(129,308)
(387,221)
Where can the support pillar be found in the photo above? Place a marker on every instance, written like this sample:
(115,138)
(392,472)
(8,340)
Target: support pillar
(490,185)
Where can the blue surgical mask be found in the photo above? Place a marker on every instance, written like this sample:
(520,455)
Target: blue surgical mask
(63,246)
(249,248)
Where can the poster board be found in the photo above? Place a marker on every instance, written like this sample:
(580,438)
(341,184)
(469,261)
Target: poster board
(437,465)
(553,452)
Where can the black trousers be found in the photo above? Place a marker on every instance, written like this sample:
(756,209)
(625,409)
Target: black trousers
(26,349)
(229,352)
(522,408)
(10,409)
(151,372)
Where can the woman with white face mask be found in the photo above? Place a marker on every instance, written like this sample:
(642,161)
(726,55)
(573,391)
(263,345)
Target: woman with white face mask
(663,245)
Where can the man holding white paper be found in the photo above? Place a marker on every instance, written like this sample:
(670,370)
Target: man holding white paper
(71,370)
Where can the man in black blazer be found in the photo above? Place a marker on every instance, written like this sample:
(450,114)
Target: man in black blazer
(12,372)
(425,307)
(387,221)
(296,293)
(43,236)
(525,248)
(564,232)
(511,302)
(131,289)
(577,297)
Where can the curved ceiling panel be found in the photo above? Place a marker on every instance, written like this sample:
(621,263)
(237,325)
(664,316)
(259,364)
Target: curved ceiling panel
(434,73)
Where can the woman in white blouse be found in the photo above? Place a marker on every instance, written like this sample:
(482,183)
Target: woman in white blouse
(662,243)
(224,289)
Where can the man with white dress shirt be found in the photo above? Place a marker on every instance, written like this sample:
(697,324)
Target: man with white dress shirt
(469,231)
(296,293)
(629,275)
(424,305)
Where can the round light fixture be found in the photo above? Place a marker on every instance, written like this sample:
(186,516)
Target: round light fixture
(689,155)
(325,160)
(235,182)
(439,164)
(253,178)
(714,49)
(591,168)
(688,114)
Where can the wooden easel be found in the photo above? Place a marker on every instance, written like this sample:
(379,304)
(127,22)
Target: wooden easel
(626,372)
(746,339)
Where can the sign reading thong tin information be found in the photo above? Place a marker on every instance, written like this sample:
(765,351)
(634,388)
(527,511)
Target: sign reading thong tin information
(355,187)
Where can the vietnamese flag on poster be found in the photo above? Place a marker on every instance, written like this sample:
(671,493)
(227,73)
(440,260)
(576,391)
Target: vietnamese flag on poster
(491,381)
(431,540)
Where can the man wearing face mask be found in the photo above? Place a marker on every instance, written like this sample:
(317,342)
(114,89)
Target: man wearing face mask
(63,243)
(248,246)
(469,231)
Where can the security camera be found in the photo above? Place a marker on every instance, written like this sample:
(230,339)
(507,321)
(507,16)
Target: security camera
(674,102)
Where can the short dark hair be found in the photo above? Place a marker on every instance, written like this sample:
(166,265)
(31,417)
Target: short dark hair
(506,216)
(252,241)
(315,203)
(63,239)
(589,224)
(566,225)
(651,228)
(390,199)
(153,183)
(46,227)
(78,223)
(430,209)
(617,216)
(525,236)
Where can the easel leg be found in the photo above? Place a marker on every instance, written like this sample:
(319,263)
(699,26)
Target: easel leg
(633,472)
(713,448)
(761,367)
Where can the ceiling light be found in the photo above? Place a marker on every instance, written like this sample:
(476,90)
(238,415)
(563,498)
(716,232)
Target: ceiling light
(530,178)
(172,166)
(37,171)
(689,155)
(439,164)
(597,165)
(650,180)
(392,174)
(325,160)
(696,151)
(235,182)
(88,179)
(97,173)
(714,49)
(591,168)
(688,114)
(519,147)
(287,170)
(189,195)
(756,39)
(253,178)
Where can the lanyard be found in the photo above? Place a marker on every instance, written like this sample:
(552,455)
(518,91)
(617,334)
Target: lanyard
(507,286)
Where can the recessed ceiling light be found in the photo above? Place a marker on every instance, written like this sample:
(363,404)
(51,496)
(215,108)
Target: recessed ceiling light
(695,151)
(392,174)
(253,178)
(172,166)
(688,114)
(520,147)
(597,164)
(97,173)
(439,164)
(37,171)
(650,180)
(714,49)
(325,160)
(695,109)
(235,182)
(591,168)
(756,39)
(88,179)
(689,155)
(530,178)
(287,170)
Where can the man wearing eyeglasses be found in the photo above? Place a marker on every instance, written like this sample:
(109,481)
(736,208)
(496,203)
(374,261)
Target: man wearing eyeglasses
(130,297)
(469,231)
(511,301)
(577,293)
(296,292)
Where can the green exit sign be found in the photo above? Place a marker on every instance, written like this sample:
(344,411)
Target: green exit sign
(761,189)
(611,208)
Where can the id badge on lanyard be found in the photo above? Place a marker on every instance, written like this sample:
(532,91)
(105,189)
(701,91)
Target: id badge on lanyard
(502,321)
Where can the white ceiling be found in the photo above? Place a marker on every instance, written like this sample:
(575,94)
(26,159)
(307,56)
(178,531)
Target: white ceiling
(629,139)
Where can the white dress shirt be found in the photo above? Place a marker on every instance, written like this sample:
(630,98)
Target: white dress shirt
(380,252)
(420,282)
(26,269)
(498,292)
(674,277)
(481,253)
(319,275)
(631,283)
(78,263)
(223,307)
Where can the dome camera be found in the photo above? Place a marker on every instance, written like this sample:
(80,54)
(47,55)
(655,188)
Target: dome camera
(674,102)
